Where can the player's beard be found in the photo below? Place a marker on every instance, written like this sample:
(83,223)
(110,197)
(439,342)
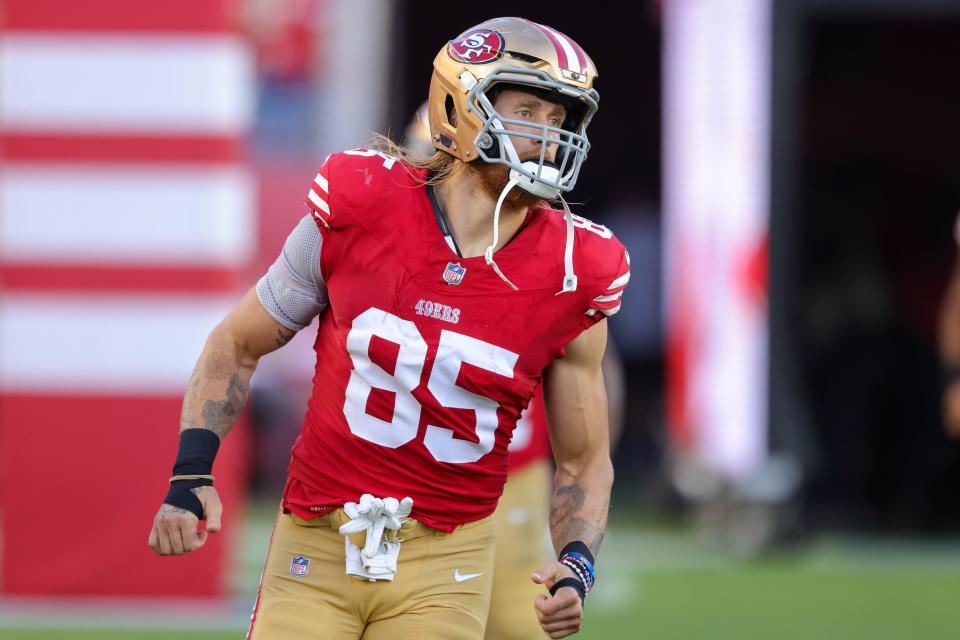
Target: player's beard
(492,178)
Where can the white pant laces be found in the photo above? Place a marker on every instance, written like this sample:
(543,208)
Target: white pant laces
(378,558)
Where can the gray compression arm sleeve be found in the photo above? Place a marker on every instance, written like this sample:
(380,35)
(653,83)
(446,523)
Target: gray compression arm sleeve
(292,290)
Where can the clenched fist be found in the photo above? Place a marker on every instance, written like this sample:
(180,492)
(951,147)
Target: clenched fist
(560,615)
(175,532)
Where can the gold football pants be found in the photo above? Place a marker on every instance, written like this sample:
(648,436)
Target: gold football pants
(441,589)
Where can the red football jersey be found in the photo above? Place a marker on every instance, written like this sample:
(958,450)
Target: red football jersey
(426,360)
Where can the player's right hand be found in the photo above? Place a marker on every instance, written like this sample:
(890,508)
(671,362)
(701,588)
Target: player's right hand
(951,409)
(175,532)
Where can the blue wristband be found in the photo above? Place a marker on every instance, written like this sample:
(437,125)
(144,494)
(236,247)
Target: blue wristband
(576,556)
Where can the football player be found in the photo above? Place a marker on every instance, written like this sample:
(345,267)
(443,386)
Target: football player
(448,291)
(521,514)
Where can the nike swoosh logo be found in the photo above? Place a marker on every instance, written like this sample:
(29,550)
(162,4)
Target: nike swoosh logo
(460,577)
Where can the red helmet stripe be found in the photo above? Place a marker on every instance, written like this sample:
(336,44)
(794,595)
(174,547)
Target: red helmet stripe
(581,54)
(569,53)
(561,54)
(577,50)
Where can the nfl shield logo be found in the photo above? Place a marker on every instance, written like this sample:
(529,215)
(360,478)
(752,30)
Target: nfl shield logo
(453,274)
(299,566)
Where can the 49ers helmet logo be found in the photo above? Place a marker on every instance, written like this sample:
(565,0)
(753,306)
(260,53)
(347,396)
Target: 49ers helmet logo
(477,46)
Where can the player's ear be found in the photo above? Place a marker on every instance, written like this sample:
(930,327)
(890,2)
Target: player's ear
(453,116)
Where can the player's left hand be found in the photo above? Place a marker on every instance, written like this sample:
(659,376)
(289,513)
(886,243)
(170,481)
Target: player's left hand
(560,615)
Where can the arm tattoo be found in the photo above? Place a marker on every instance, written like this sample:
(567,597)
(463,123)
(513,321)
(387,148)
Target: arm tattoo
(572,518)
(190,400)
(284,336)
(218,367)
(219,415)
(207,405)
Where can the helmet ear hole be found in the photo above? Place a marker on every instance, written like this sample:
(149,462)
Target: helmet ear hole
(450,109)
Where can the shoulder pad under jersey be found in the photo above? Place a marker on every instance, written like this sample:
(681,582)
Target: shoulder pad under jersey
(349,181)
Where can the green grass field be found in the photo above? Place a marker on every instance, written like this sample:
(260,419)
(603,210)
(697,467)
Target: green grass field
(662,585)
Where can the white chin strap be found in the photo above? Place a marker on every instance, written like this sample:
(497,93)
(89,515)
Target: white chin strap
(569,277)
(539,189)
(488,254)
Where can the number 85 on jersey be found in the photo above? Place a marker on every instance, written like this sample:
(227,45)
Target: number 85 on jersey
(453,350)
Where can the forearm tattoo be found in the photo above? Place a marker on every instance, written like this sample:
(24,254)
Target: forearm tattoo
(190,400)
(218,414)
(577,514)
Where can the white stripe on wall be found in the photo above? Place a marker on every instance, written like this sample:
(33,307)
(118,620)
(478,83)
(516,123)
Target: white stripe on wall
(116,83)
(103,344)
(104,215)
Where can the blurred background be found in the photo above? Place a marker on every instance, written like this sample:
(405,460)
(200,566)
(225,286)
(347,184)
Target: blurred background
(785,174)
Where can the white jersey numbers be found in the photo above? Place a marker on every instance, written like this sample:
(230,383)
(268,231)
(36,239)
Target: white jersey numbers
(366,375)
(453,350)
(589,225)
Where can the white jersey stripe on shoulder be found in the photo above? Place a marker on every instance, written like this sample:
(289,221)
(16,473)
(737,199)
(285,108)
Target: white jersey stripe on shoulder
(572,59)
(608,298)
(320,218)
(606,312)
(619,282)
(318,201)
(322,183)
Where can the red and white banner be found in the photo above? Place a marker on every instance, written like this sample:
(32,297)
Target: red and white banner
(716,210)
(127,217)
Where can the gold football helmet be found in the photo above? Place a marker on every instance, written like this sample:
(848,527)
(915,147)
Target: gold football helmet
(524,55)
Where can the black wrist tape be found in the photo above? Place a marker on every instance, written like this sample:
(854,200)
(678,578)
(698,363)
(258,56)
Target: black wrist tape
(180,495)
(578,547)
(569,582)
(198,448)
